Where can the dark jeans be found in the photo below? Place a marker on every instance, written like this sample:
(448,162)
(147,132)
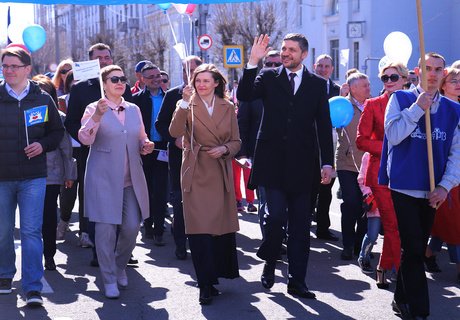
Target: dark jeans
(415,219)
(156,174)
(321,200)
(50,220)
(354,225)
(293,209)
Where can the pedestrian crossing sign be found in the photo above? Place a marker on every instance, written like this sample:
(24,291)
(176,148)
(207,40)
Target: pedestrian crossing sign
(233,56)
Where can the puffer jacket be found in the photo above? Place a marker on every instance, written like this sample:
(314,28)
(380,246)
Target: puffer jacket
(14,163)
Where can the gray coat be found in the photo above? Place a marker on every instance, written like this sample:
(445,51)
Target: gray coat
(60,164)
(104,177)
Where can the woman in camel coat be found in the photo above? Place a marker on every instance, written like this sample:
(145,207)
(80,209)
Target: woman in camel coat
(207,120)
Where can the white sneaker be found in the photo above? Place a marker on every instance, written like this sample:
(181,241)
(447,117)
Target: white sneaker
(122,278)
(111,291)
(85,241)
(61,230)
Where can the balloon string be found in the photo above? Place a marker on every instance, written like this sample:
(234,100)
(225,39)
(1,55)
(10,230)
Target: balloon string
(172,29)
(183,34)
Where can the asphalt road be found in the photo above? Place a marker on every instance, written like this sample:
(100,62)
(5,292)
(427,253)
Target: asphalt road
(162,287)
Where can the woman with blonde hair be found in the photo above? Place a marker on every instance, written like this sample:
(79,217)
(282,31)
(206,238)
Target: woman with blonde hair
(59,76)
(370,139)
(207,121)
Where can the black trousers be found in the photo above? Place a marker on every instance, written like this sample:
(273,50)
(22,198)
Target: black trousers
(50,220)
(213,257)
(293,209)
(415,219)
(180,238)
(156,175)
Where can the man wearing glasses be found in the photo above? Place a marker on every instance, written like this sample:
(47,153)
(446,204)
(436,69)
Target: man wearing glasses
(149,100)
(164,81)
(82,94)
(31,127)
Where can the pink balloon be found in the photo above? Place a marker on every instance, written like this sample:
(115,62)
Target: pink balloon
(19,45)
(190,8)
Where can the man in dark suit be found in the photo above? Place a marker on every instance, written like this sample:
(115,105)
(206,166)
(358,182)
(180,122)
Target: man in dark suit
(284,157)
(155,165)
(81,95)
(249,118)
(189,64)
(322,193)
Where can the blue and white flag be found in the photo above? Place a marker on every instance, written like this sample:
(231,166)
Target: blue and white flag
(36,115)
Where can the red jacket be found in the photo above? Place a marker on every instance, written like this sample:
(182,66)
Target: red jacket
(370,135)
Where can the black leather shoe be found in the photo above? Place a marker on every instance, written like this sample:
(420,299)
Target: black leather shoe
(49,264)
(300,291)
(132,260)
(268,275)
(347,254)
(328,236)
(215,292)
(181,252)
(402,310)
(205,295)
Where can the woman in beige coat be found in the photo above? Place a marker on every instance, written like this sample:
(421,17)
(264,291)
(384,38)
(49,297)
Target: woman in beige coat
(116,196)
(207,121)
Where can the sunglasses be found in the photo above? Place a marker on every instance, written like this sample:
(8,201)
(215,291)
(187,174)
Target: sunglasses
(272,64)
(64,71)
(392,78)
(164,80)
(116,79)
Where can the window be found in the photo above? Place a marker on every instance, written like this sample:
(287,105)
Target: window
(356,55)
(334,47)
(334,7)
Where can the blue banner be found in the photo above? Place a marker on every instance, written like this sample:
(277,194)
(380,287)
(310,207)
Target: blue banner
(118,2)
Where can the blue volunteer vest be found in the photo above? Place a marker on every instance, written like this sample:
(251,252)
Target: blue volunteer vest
(409,165)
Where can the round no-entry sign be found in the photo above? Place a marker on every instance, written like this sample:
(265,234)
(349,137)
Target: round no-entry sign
(205,42)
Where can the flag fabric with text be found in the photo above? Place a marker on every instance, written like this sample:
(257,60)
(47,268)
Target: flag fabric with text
(36,115)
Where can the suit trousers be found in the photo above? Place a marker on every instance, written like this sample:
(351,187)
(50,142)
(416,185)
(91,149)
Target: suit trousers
(415,219)
(178,228)
(293,209)
(114,250)
(391,250)
(354,225)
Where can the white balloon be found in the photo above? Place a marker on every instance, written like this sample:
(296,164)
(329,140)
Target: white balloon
(180,7)
(398,47)
(15,31)
(383,62)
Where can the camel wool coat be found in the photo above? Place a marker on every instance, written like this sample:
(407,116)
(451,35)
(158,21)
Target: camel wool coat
(207,184)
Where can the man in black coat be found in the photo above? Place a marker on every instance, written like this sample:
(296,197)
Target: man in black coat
(294,99)
(175,153)
(249,118)
(322,193)
(82,94)
(155,165)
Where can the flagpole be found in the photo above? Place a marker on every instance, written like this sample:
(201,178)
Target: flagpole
(25,126)
(429,142)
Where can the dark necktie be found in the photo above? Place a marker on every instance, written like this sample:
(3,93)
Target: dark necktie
(292,82)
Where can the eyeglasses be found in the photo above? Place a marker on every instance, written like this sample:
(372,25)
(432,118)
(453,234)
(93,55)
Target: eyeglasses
(164,80)
(64,71)
(116,79)
(13,67)
(454,81)
(272,64)
(393,78)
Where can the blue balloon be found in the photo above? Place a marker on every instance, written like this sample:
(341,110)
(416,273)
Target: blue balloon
(164,6)
(34,37)
(341,111)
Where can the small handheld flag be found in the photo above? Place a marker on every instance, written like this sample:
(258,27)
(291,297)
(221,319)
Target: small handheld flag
(34,116)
